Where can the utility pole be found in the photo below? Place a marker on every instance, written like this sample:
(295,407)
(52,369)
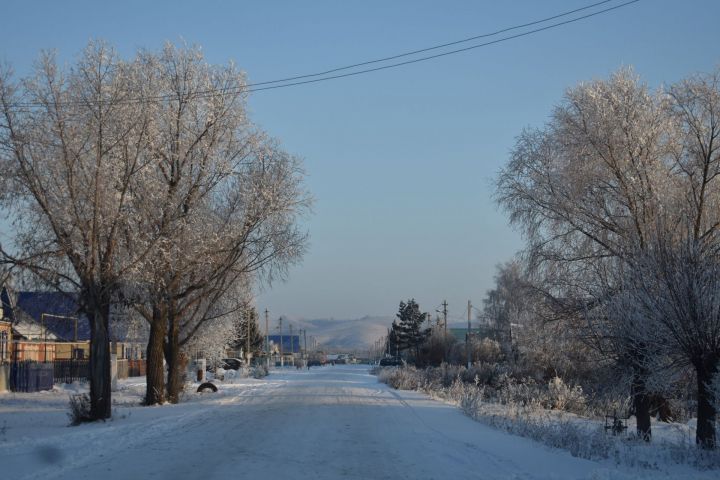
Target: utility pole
(282,358)
(467,337)
(292,346)
(248,316)
(267,339)
(445,342)
(445,304)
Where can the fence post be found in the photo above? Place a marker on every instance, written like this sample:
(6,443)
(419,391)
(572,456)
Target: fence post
(200,365)
(113,372)
(4,377)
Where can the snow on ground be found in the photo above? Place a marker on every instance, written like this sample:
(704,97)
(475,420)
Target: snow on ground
(328,423)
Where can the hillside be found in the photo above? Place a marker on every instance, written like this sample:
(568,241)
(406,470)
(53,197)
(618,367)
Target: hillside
(344,335)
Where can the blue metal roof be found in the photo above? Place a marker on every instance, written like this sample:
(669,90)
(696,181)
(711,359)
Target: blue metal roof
(290,344)
(35,304)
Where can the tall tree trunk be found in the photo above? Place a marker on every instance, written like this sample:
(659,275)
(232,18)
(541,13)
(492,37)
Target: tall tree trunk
(176,364)
(98,312)
(641,406)
(706,369)
(155,385)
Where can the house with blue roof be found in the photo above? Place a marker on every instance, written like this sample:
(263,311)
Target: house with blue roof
(58,312)
(52,325)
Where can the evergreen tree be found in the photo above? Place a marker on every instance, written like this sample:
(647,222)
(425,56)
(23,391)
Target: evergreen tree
(393,347)
(407,332)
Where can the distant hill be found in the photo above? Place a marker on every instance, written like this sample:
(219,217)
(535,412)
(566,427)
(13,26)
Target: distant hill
(343,335)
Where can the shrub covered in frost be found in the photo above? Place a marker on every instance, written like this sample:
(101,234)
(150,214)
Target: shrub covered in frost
(497,382)
(259,371)
(565,397)
(408,378)
(79,409)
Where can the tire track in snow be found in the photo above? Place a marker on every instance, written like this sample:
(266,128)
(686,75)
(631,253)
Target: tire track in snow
(501,463)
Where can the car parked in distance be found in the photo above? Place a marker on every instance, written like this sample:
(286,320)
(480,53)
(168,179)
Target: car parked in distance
(390,362)
(231,363)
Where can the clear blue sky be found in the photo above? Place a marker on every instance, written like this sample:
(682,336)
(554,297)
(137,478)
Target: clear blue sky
(401,162)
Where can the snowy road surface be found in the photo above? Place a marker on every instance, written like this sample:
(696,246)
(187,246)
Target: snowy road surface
(329,423)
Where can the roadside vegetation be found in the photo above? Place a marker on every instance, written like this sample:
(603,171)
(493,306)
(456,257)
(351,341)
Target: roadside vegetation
(613,307)
(554,414)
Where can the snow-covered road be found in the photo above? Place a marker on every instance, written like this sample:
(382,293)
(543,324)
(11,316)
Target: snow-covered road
(329,423)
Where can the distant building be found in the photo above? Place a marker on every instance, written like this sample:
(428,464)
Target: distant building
(290,343)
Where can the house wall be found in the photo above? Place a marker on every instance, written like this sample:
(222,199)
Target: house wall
(30,350)
(65,350)
(128,350)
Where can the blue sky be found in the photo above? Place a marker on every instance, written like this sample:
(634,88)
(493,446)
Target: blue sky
(401,162)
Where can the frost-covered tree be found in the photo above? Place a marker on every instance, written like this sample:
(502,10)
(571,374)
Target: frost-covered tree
(224,197)
(585,191)
(670,289)
(670,298)
(143,182)
(73,146)
(216,331)
(593,188)
(247,335)
(508,304)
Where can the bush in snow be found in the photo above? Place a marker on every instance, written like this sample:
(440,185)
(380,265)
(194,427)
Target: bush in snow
(259,371)
(499,384)
(565,397)
(408,378)
(486,350)
(79,409)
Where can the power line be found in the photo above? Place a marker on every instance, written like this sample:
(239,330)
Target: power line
(435,47)
(444,54)
(289,81)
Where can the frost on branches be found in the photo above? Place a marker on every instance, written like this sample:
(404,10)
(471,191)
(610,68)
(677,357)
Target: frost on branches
(618,171)
(143,182)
